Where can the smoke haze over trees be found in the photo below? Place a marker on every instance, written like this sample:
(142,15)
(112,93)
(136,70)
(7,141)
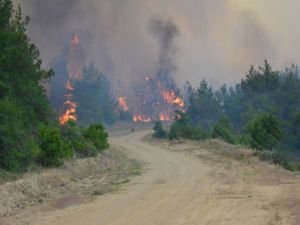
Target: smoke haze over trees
(217,38)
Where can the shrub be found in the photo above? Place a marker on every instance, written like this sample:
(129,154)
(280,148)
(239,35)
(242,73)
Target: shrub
(73,134)
(280,158)
(224,131)
(244,140)
(265,132)
(179,130)
(53,148)
(97,135)
(159,131)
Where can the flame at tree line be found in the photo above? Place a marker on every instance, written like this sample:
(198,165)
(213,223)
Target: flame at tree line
(74,68)
(123,104)
(155,98)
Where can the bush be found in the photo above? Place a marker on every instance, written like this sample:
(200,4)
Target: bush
(179,130)
(73,134)
(97,135)
(265,132)
(53,148)
(159,131)
(244,140)
(282,159)
(224,131)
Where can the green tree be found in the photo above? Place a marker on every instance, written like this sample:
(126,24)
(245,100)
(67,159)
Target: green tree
(23,101)
(73,135)
(97,135)
(183,128)
(204,107)
(17,147)
(265,132)
(94,97)
(53,148)
(223,130)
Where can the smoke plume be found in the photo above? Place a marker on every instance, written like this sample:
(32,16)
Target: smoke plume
(217,40)
(165,32)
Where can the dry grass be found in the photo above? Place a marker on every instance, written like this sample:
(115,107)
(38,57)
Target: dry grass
(73,183)
(238,170)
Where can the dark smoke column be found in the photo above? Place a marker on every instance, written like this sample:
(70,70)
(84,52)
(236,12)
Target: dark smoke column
(166,33)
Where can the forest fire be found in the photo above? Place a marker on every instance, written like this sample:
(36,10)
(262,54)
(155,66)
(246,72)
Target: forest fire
(123,104)
(141,118)
(74,68)
(157,98)
(171,98)
(69,105)
(164,117)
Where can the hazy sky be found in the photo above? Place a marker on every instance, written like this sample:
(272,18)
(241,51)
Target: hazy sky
(219,39)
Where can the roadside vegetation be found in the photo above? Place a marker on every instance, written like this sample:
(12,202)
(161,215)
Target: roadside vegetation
(260,112)
(29,131)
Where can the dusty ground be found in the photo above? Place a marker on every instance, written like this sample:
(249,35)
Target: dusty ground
(77,182)
(187,183)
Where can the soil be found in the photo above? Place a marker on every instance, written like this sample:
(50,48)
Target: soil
(183,183)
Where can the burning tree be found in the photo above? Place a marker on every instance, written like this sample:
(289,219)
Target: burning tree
(86,95)
(158,97)
(68,69)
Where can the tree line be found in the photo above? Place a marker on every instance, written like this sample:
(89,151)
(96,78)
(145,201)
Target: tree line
(262,112)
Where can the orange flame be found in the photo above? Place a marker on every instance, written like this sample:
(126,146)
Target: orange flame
(164,117)
(69,86)
(71,107)
(123,104)
(171,98)
(141,118)
(74,73)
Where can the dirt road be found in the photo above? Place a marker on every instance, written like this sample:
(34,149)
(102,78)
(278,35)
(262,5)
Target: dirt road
(181,188)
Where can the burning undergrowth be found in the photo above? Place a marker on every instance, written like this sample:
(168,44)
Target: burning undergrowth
(154,97)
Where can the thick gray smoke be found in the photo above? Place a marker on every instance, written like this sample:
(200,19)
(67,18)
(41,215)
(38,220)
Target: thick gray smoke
(166,32)
(216,41)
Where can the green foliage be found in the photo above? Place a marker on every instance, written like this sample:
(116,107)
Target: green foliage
(280,158)
(244,139)
(204,107)
(94,97)
(182,128)
(262,80)
(265,132)
(53,148)
(178,131)
(29,132)
(81,146)
(23,102)
(97,135)
(263,92)
(17,146)
(223,130)
(159,131)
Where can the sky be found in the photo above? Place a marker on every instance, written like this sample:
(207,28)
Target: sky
(217,40)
